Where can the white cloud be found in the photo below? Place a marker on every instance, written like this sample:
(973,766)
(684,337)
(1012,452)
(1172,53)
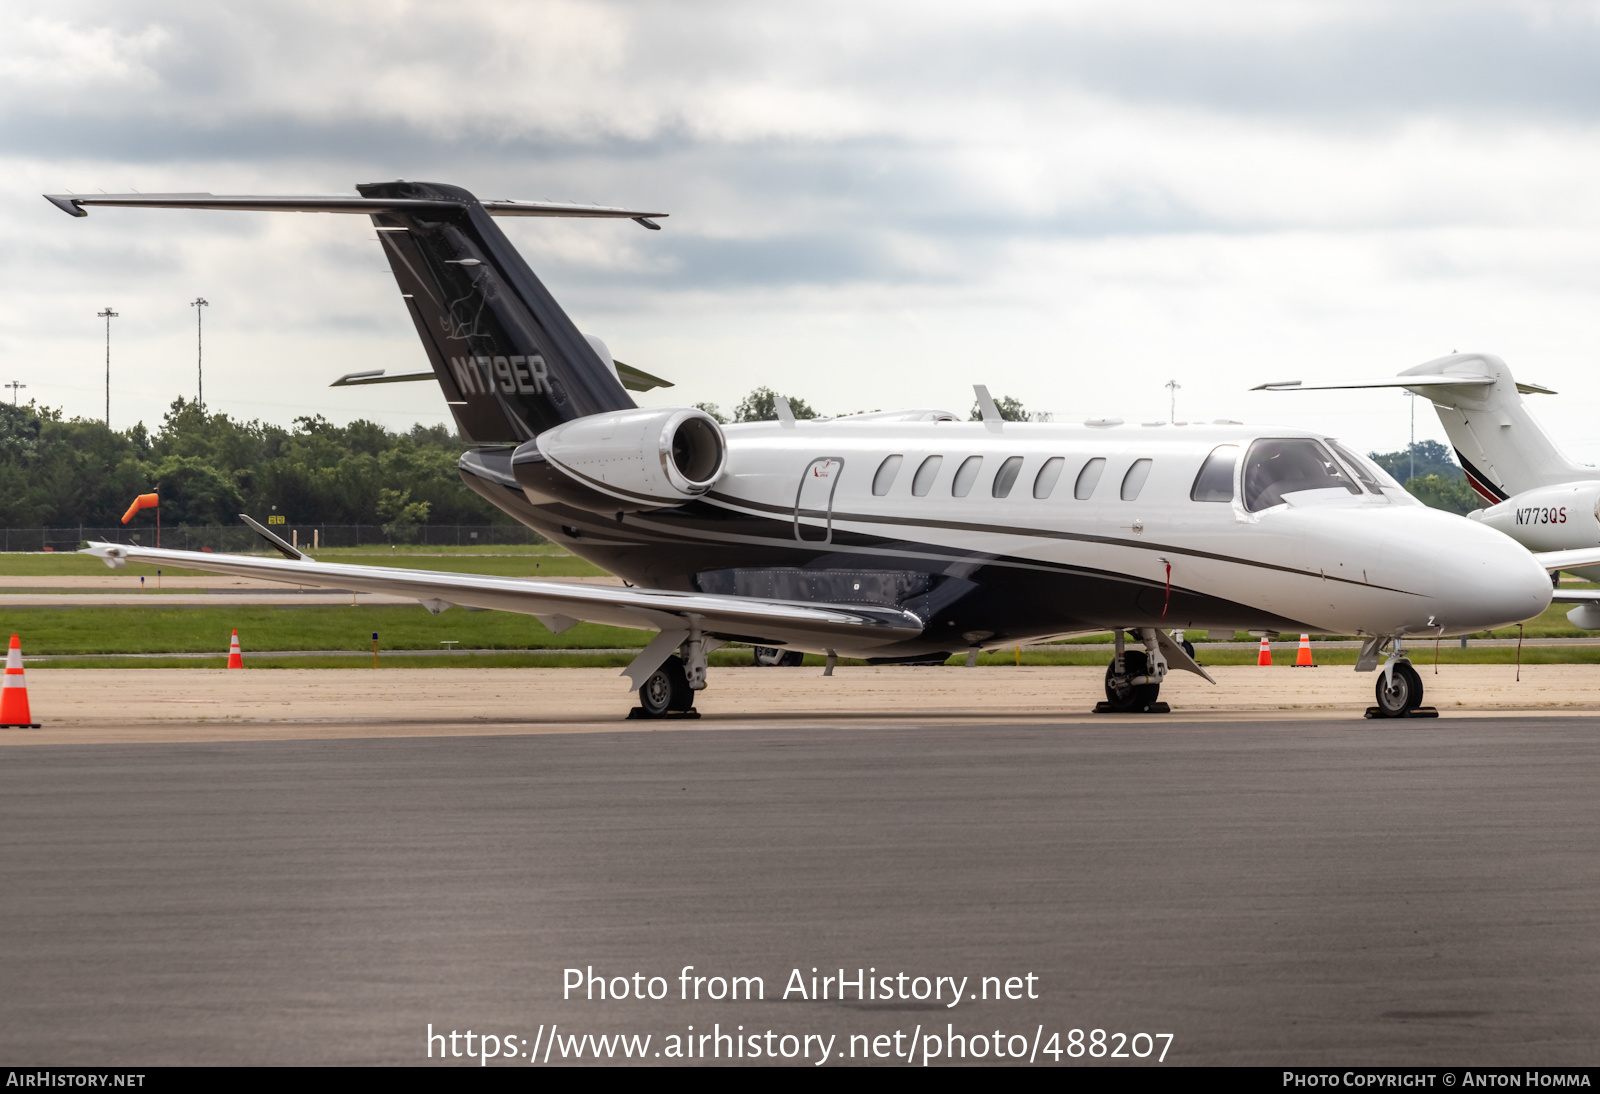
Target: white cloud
(871,205)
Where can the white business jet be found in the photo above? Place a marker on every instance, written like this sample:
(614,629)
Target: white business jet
(1531,490)
(897,537)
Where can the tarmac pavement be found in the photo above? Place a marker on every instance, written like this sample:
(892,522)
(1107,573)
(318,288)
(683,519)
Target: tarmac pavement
(1324,890)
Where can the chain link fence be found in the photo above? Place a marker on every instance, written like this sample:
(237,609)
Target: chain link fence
(236,538)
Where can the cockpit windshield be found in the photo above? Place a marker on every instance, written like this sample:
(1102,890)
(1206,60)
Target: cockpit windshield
(1373,477)
(1278,467)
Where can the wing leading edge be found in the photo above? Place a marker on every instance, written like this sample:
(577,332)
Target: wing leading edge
(852,630)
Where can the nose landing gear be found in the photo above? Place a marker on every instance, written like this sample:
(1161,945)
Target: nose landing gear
(1399,690)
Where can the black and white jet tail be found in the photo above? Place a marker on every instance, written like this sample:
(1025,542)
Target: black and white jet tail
(510,361)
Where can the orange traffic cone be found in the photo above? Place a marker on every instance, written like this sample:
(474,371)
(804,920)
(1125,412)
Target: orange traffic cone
(235,658)
(1303,658)
(1265,656)
(14,695)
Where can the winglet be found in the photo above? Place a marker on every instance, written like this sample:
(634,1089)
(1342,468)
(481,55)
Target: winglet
(288,550)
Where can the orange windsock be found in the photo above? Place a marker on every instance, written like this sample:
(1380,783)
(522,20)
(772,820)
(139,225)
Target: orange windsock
(143,501)
(14,695)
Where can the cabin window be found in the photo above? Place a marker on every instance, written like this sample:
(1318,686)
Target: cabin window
(1045,480)
(887,470)
(1133,481)
(1089,478)
(1363,471)
(922,481)
(1275,468)
(966,475)
(1006,477)
(1215,481)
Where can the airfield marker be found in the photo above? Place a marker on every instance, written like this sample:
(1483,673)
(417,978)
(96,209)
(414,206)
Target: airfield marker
(14,695)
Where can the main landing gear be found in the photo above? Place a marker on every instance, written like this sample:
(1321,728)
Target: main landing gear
(668,690)
(770,656)
(1133,679)
(666,693)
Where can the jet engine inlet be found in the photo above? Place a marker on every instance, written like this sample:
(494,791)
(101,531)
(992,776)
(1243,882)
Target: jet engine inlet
(697,450)
(642,458)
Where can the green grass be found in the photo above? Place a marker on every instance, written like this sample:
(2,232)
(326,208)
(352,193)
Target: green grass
(526,550)
(545,562)
(1420,654)
(137,629)
(1552,623)
(724,658)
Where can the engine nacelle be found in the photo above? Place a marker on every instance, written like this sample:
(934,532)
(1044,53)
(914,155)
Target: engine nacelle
(1585,617)
(1549,518)
(641,458)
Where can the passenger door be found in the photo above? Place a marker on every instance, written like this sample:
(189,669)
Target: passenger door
(813,502)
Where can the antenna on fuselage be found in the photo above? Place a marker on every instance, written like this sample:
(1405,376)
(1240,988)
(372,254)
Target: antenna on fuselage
(986,407)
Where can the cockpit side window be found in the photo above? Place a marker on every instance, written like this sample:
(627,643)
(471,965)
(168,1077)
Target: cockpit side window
(1215,480)
(1274,468)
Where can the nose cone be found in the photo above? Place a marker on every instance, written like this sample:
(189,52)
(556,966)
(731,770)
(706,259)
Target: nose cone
(1475,577)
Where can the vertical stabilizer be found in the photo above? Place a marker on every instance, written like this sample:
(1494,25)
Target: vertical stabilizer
(510,361)
(1502,448)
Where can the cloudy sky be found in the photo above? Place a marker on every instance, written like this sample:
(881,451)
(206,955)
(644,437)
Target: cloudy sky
(872,204)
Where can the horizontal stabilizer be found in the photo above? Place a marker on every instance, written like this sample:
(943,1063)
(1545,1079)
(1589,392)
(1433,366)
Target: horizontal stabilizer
(634,379)
(637,379)
(1401,381)
(340,203)
(376,376)
(1385,381)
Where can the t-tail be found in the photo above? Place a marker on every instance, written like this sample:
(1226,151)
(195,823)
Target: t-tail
(510,361)
(1502,448)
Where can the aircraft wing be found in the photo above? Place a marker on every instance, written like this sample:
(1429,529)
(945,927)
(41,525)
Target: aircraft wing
(854,629)
(1413,381)
(1568,560)
(1576,596)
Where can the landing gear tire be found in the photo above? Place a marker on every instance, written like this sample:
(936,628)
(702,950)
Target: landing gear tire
(1132,697)
(1403,695)
(666,690)
(771,656)
(1188,648)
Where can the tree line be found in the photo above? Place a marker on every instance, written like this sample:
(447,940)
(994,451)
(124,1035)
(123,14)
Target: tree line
(209,467)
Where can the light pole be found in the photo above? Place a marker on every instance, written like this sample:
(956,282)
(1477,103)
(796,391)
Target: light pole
(108,315)
(1412,451)
(197,304)
(13,385)
(1173,386)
